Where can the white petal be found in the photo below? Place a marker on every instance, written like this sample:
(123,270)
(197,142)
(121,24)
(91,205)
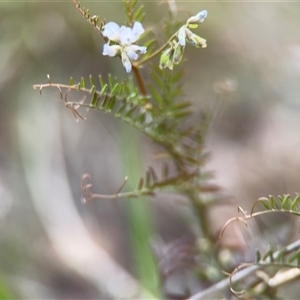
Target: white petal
(112,31)
(198,18)
(126,36)
(137,30)
(202,15)
(195,40)
(133,51)
(111,50)
(181,36)
(126,62)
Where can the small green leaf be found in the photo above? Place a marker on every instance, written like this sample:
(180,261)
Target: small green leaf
(295,202)
(285,200)
(156,95)
(111,104)
(132,3)
(150,43)
(95,100)
(121,110)
(281,255)
(115,89)
(158,80)
(181,114)
(268,254)
(105,101)
(102,82)
(140,118)
(93,89)
(130,112)
(111,82)
(141,17)
(141,184)
(104,89)
(265,202)
(92,81)
(138,13)
(193,26)
(82,83)
(273,202)
(295,257)
(72,81)
(121,89)
(181,105)
(178,76)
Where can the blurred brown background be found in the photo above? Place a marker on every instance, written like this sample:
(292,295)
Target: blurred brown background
(51,245)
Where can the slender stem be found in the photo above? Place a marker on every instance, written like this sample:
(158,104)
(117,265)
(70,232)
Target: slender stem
(222,286)
(158,51)
(140,80)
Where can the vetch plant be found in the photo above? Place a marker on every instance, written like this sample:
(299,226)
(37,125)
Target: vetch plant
(158,109)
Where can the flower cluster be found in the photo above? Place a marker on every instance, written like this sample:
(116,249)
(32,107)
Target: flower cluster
(121,42)
(174,53)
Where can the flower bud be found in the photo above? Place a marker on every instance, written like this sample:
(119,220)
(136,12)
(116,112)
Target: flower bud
(198,18)
(195,40)
(166,59)
(178,53)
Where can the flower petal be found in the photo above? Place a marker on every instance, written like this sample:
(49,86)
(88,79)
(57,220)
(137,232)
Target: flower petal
(111,50)
(133,50)
(195,40)
(137,30)
(182,35)
(112,31)
(178,53)
(198,18)
(139,49)
(126,62)
(126,37)
(131,53)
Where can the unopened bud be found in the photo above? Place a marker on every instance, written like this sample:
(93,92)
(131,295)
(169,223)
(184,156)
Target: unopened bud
(198,18)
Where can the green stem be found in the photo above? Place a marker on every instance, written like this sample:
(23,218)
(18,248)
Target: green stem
(201,215)
(155,53)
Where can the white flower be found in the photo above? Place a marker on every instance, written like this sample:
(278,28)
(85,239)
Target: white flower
(121,42)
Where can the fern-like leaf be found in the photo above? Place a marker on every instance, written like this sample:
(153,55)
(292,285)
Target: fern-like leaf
(93,20)
(283,203)
(133,12)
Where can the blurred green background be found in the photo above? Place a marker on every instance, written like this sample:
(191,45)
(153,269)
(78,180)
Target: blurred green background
(52,246)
